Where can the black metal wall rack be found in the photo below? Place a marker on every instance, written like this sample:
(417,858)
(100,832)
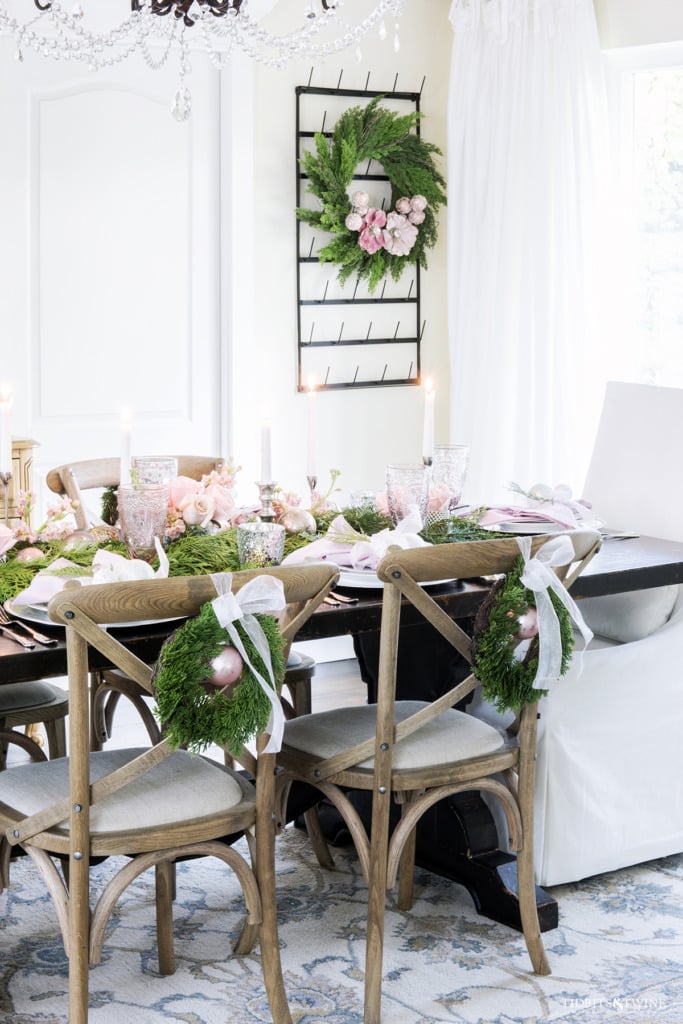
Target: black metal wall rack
(347,337)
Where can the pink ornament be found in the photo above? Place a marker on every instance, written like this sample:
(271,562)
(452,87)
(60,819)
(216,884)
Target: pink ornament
(227,667)
(528,625)
(29,555)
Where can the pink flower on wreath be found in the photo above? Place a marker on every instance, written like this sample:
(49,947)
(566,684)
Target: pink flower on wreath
(418,203)
(360,201)
(354,221)
(403,205)
(371,238)
(399,235)
(416,216)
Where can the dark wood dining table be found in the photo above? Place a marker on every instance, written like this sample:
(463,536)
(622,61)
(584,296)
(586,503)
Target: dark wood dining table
(468,851)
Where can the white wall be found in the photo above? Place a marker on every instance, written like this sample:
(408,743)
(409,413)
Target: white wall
(359,431)
(252,365)
(638,22)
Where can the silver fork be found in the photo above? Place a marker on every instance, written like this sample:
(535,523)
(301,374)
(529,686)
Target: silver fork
(17,637)
(15,624)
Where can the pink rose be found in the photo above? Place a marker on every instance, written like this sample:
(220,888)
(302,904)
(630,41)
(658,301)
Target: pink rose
(399,235)
(403,205)
(354,222)
(198,510)
(223,502)
(416,216)
(418,203)
(7,539)
(180,488)
(371,237)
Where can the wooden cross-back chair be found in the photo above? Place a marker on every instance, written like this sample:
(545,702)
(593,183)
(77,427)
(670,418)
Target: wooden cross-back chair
(74,478)
(422,752)
(107,687)
(153,805)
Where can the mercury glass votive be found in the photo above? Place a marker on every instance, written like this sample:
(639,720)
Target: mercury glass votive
(260,544)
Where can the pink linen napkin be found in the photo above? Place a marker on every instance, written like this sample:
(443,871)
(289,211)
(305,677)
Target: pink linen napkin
(107,567)
(497,514)
(353,553)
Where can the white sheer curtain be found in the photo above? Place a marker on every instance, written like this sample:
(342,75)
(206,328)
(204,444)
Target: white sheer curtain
(527,131)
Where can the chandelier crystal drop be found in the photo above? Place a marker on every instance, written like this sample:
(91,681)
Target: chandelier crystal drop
(157,28)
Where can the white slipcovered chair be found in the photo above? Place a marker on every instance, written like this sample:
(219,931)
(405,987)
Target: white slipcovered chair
(609,785)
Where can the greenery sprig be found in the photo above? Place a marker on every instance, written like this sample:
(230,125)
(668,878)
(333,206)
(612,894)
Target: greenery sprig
(194,715)
(363,134)
(505,681)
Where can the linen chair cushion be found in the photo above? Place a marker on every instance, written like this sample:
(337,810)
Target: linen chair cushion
(452,736)
(28,695)
(630,616)
(200,788)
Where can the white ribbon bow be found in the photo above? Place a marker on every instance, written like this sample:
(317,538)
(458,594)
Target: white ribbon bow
(262,594)
(539,577)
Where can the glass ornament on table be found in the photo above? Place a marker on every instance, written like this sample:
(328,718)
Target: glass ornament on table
(407,489)
(143,509)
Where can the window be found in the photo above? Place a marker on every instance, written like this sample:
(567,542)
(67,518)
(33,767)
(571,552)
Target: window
(646,109)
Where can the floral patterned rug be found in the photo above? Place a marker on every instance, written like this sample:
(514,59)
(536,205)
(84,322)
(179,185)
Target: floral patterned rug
(617,956)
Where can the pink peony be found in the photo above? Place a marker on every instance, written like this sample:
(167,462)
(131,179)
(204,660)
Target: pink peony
(418,203)
(403,205)
(7,539)
(223,501)
(180,488)
(399,235)
(371,238)
(354,222)
(198,510)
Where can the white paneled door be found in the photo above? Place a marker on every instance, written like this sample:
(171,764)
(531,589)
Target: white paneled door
(109,259)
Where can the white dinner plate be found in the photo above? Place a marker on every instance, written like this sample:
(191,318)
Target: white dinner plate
(366,579)
(529,527)
(38,615)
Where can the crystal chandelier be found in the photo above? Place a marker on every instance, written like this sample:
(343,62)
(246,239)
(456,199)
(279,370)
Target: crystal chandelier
(159,28)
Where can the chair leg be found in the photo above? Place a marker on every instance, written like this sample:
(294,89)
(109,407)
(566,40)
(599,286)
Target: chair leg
(525,856)
(56,738)
(264,869)
(165,892)
(79,929)
(374,951)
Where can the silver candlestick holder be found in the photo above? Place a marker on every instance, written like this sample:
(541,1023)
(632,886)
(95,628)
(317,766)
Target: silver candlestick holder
(312,484)
(266,492)
(5,479)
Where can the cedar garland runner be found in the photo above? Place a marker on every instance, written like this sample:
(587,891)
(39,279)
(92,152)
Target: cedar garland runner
(196,714)
(505,681)
(367,241)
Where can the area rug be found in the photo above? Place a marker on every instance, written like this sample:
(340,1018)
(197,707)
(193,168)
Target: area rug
(616,957)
